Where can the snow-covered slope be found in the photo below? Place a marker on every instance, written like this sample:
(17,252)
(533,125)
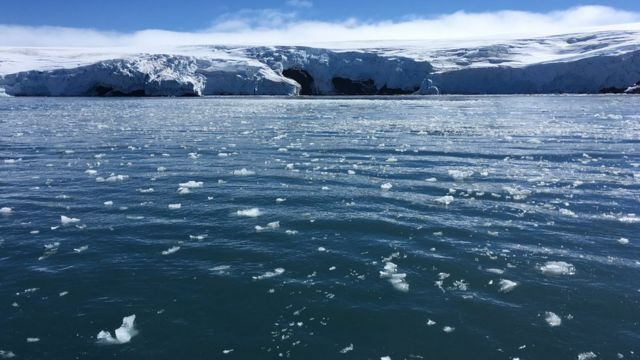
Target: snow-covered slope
(575,63)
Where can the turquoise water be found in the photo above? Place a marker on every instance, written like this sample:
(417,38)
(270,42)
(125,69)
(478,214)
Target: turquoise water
(437,228)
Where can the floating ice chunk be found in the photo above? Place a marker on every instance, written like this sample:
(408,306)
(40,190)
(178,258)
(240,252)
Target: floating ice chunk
(623,241)
(516,193)
(507,285)
(322,249)
(12,161)
(385,358)
(6,211)
(243,172)
(171,250)
(269,274)
(552,319)
(123,334)
(431,179)
(68,220)
(460,175)
(175,206)
(291,232)
(63,293)
(629,219)
(91,172)
(108,203)
(558,268)
(445,200)
(386,186)
(398,280)
(81,249)
(448,329)
(146,191)
(33,339)
(587,356)
(351,172)
(254,212)
(161,169)
(270,226)
(347,349)
(184,191)
(567,212)
(198,237)
(392,159)
(280,200)
(430,322)
(7,354)
(114,178)
(191,184)
(227,351)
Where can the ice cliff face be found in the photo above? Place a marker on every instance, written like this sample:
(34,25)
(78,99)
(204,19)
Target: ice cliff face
(577,63)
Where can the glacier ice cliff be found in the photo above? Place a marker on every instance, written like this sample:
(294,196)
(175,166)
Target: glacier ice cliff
(599,62)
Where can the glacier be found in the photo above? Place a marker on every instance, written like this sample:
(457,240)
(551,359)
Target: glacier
(597,62)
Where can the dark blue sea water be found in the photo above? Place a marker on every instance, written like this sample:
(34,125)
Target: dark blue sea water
(267,228)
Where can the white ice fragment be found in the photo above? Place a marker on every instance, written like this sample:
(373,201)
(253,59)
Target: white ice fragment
(175,206)
(460,175)
(6,211)
(63,293)
(114,178)
(280,200)
(397,280)
(445,200)
(269,274)
(68,220)
(346,349)
(431,179)
(629,219)
(385,358)
(33,339)
(254,212)
(587,356)
(430,322)
(227,351)
(322,249)
(81,249)
(123,334)
(108,203)
(171,250)
(243,172)
(567,212)
(191,184)
(623,241)
(448,329)
(7,354)
(91,172)
(558,268)
(495,271)
(386,186)
(507,285)
(552,319)
(516,193)
(161,169)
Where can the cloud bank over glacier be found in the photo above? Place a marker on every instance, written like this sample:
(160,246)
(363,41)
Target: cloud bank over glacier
(274,27)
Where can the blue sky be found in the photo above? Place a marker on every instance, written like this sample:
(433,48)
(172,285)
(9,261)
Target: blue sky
(193,15)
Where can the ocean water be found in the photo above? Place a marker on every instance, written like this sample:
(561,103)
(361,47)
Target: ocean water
(268,228)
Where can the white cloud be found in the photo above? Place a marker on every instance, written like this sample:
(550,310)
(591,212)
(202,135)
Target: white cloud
(272,27)
(300,3)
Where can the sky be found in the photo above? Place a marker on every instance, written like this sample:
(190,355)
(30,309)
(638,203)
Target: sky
(294,22)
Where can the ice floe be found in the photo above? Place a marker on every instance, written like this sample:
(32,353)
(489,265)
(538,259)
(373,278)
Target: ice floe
(347,349)
(6,211)
(386,186)
(270,226)
(123,334)
(445,200)
(243,172)
(171,250)
(587,356)
(623,241)
(7,354)
(81,249)
(253,212)
(175,206)
(558,268)
(460,175)
(269,274)
(398,280)
(64,220)
(507,285)
(552,319)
